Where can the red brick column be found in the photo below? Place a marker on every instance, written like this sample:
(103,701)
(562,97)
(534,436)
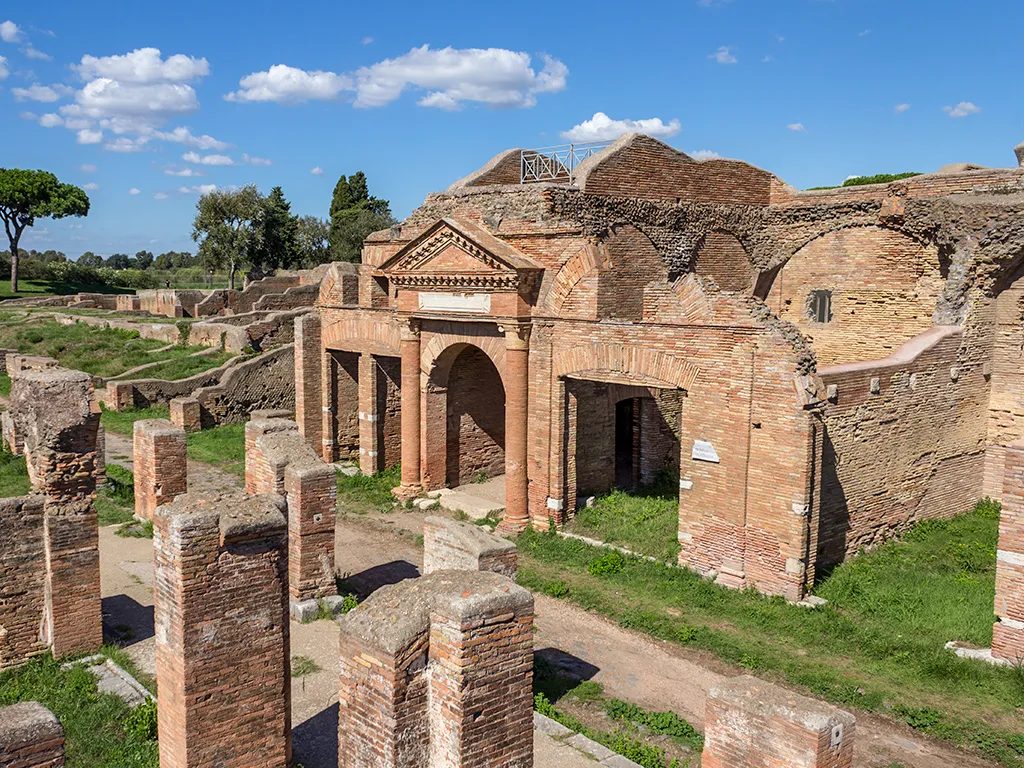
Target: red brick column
(370,458)
(160,465)
(1008,633)
(517,396)
(30,737)
(222,632)
(311,488)
(309,393)
(450,684)
(748,722)
(410,487)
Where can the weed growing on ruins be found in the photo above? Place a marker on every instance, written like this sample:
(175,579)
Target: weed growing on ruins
(136,530)
(13,473)
(303,666)
(607,564)
(359,494)
(645,521)
(99,728)
(878,645)
(222,447)
(103,352)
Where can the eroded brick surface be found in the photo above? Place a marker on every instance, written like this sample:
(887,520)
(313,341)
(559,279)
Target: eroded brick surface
(30,737)
(159,463)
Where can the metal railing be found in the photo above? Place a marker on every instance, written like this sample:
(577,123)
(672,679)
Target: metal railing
(557,163)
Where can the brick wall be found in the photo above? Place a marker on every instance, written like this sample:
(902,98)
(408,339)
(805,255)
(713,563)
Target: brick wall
(632,263)
(159,463)
(721,256)
(450,545)
(450,684)
(222,632)
(1008,633)
(311,488)
(344,388)
(476,419)
(748,722)
(884,290)
(308,387)
(186,413)
(30,737)
(22,579)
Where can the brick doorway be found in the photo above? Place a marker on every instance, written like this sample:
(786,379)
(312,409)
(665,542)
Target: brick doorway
(475,423)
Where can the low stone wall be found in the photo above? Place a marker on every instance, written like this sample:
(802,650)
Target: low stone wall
(451,545)
(293,298)
(30,737)
(253,330)
(266,382)
(748,722)
(165,332)
(144,393)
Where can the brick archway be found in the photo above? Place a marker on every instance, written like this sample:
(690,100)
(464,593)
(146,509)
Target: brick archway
(632,365)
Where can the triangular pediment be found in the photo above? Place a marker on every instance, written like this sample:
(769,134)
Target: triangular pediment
(457,248)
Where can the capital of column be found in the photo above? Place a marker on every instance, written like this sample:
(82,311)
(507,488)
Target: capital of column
(517,335)
(411,329)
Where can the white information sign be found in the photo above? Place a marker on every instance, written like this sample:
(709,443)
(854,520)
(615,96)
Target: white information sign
(704,451)
(455,302)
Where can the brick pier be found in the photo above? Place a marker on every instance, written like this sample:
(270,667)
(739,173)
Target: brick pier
(160,465)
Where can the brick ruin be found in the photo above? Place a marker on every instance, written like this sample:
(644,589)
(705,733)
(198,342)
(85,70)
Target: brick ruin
(1008,632)
(819,370)
(159,463)
(438,671)
(49,539)
(450,545)
(748,722)
(222,631)
(30,737)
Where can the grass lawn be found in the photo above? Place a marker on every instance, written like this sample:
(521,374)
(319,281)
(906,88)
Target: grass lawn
(360,494)
(222,447)
(645,521)
(28,288)
(877,646)
(99,351)
(100,730)
(123,422)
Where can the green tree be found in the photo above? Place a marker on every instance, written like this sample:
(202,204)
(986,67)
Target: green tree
(119,261)
(277,246)
(29,195)
(90,259)
(314,241)
(163,261)
(227,228)
(143,260)
(354,215)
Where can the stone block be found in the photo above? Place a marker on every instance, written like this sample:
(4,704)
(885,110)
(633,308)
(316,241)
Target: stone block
(30,737)
(451,545)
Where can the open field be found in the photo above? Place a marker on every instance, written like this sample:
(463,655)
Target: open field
(878,645)
(29,288)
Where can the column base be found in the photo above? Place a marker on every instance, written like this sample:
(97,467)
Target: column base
(406,493)
(511,527)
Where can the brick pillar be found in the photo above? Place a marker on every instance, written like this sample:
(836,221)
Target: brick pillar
(410,487)
(371,459)
(222,632)
(262,475)
(30,737)
(748,722)
(160,465)
(449,685)
(187,413)
(309,400)
(329,385)
(1008,633)
(517,395)
(555,506)
(450,545)
(311,487)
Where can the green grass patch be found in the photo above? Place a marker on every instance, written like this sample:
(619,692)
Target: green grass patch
(53,288)
(5,385)
(303,666)
(644,521)
(222,447)
(115,499)
(13,474)
(359,494)
(100,730)
(877,646)
(123,422)
(102,352)
(183,367)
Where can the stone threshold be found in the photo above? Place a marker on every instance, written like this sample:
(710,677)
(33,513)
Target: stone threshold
(111,678)
(580,743)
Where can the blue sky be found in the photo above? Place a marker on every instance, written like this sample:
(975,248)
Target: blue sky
(417,95)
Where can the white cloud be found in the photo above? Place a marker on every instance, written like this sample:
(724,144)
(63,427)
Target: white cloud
(182,135)
(87,136)
(51,120)
(134,191)
(92,186)
(143,66)
(899,109)
(88,168)
(493,76)
(767,59)
(34,53)
(705,154)
(197,159)
(124,144)
(44,93)
(318,171)
(864,33)
(724,55)
(366,40)
(27,115)
(290,85)
(602,128)
(131,106)
(963,109)
(259,161)
(10,32)
(204,189)
(160,195)
(797,127)
(184,172)
(4,71)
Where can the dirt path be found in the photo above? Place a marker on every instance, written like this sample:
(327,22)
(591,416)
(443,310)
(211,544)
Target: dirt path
(382,549)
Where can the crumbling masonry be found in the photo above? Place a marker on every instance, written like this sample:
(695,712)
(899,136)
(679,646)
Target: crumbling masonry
(159,463)
(438,671)
(451,545)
